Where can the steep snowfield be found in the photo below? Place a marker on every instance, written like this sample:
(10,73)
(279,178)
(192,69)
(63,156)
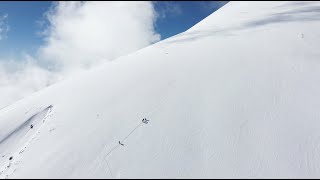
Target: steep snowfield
(235,96)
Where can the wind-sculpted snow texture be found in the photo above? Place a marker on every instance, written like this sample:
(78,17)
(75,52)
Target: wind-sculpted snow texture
(235,96)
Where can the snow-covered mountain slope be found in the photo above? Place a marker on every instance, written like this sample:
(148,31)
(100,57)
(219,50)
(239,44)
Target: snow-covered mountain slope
(235,96)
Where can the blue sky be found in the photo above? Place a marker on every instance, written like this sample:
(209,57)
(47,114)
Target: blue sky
(23,22)
(23,27)
(181,15)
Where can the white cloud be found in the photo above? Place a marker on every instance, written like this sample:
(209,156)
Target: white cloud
(4,27)
(21,78)
(78,35)
(82,34)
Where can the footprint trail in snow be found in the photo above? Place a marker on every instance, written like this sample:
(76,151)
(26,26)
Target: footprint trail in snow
(15,143)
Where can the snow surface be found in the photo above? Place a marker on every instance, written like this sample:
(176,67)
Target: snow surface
(235,96)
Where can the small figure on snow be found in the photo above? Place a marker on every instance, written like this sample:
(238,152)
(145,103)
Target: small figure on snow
(144,120)
(121,143)
(31,126)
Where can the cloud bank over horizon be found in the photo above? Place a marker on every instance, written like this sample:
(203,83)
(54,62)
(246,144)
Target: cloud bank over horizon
(78,35)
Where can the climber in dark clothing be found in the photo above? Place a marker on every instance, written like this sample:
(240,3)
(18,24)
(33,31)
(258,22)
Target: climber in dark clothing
(121,143)
(144,120)
(31,126)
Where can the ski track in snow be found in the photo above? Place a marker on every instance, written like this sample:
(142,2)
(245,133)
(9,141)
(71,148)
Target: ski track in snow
(105,163)
(37,120)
